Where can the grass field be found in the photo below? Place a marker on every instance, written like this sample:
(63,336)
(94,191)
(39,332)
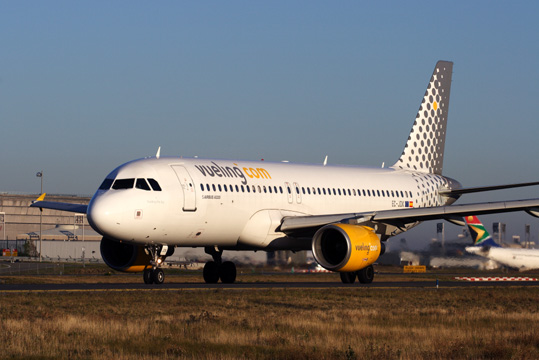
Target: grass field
(355,323)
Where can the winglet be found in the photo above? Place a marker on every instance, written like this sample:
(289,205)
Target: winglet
(158,152)
(42,197)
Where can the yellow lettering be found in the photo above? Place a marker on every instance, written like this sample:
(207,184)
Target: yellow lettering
(255,173)
(263,173)
(245,170)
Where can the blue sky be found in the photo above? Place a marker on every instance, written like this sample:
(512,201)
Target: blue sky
(86,86)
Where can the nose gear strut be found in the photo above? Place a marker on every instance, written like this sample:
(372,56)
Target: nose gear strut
(159,253)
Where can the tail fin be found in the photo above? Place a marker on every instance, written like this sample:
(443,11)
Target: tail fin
(424,150)
(480,235)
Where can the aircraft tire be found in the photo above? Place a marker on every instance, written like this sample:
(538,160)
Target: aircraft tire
(227,272)
(348,277)
(158,276)
(148,276)
(211,272)
(366,275)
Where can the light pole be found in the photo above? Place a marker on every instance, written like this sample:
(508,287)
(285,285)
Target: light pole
(40,175)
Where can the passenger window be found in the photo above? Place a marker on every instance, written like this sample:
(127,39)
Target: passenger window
(202,187)
(225,187)
(219,187)
(339,191)
(237,188)
(208,187)
(106,184)
(154,184)
(213,187)
(324,190)
(265,192)
(281,189)
(123,184)
(142,184)
(378,192)
(248,188)
(369,192)
(269,188)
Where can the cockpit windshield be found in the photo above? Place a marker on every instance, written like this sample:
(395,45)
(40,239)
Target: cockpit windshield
(142,184)
(139,183)
(106,184)
(123,184)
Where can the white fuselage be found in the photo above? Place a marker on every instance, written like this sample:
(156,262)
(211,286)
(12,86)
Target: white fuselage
(522,259)
(241,203)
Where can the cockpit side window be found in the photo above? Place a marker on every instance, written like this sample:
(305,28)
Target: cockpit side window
(142,184)
(123,184)
(105,185)
(154,184)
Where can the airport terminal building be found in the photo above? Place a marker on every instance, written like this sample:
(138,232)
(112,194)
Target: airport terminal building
(63,234)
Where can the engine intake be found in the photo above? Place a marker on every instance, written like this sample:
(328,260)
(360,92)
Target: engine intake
(124,257)
(346,248)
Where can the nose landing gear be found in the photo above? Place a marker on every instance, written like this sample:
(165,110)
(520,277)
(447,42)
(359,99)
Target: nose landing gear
(156,275)
(217,269)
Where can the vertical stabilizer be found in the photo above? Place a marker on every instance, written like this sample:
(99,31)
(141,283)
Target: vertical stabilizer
(424,150)
(480,235)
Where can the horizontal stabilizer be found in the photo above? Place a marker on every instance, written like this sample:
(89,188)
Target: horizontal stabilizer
(484,188)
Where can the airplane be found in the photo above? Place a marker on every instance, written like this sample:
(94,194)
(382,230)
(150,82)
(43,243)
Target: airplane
(484,245)
(146,208)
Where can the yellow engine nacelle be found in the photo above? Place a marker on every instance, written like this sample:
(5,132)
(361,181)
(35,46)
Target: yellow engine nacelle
(346,248)
(123,256)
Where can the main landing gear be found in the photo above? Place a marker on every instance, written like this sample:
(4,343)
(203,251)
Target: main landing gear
(156,275)
(365,276)
(217,269)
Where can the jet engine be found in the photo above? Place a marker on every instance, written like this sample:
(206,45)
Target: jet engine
(346,248)
(124,257)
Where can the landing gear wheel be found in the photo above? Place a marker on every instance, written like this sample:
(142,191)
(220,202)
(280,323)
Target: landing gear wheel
(158,276)
(227,272)
(348,277)
(147,275)
(211,272)
(366,275)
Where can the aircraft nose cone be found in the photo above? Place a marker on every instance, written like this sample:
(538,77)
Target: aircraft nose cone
(103,216)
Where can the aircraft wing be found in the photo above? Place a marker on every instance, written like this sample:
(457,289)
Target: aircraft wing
(53,205)
(397,217)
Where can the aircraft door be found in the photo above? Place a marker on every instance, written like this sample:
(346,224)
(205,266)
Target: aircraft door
(189,193)
(289,192)
(298,194)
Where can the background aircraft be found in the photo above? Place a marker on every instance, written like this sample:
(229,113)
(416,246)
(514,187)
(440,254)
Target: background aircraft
(484,245)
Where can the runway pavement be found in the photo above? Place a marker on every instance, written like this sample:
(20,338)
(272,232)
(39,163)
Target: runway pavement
(430,284)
